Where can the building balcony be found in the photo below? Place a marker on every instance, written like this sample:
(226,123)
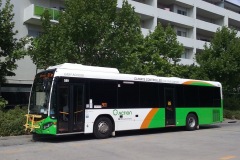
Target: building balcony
(187,42)
(218,10)
(140,8)
(146,32)
(184,2)
(200,44)
(238,33)
(232,6)
(233,15)
(207,26)
(32,14)
(187,61)
(175,18)
(148,2)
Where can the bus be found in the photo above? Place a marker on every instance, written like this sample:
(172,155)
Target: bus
(74,98)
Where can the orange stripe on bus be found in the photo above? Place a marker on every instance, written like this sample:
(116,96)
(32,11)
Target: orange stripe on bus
(188,82)
(192,82)
(149,118)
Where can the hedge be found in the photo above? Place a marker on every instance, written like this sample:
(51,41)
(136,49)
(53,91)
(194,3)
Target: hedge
(12,120)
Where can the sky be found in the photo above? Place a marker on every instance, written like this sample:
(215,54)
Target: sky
(237,2)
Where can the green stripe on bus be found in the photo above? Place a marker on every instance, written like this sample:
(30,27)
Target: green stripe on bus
(205,115)
(158,119)
(197,83)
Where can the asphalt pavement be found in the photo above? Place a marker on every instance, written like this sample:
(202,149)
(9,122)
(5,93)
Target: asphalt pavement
(210,142)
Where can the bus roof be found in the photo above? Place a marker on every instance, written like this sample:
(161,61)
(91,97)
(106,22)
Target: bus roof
(80,67)
(94,72)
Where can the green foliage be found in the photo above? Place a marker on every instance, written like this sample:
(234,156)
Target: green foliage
(231,114)
(11,49)
(3,103)
(43,46)
(105,36)
(188,71)
(220,60)
(120,47)
(12,121)
(232,102)
(78,36)
(161,52)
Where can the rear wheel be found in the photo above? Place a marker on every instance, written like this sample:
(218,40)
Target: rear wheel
(191,122)
(102,128)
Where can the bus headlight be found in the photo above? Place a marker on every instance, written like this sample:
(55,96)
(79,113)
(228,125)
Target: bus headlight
(47,125)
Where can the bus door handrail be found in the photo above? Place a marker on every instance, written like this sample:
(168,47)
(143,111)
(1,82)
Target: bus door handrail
(31,122)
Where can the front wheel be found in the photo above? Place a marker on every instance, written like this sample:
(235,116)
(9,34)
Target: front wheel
(102,128)
(191,122)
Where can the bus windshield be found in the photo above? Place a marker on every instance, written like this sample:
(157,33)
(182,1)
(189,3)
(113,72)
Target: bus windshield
(40,93)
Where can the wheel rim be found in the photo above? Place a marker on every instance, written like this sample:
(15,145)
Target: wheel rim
(191,122)
(103,127)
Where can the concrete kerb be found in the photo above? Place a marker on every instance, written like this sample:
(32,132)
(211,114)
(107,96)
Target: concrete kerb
(231,121)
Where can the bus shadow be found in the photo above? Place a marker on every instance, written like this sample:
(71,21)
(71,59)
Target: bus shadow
(149,131)
(62,138)
(86,137)
(161,130)
(213,126)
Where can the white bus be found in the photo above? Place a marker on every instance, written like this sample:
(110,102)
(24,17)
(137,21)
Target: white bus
(74,98)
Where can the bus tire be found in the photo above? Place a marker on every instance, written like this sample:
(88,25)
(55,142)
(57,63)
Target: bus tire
(102,128)
(191,122)
(35,137)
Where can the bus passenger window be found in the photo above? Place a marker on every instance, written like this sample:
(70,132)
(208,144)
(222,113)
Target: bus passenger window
(103,93)
(128,95)
(149,95)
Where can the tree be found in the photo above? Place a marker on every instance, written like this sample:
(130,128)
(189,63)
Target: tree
(43,47)
(121,44)
(220,60)
(105,36)
(100,35)
(11,49)
(188,71)
(162,52)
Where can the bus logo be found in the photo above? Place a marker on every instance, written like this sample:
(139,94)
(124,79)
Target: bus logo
(117,112)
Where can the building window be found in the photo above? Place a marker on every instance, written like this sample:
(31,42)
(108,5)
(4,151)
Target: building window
(182,33)
(181,12)
(34,33)
(179,33)
(186,54)
(16,95)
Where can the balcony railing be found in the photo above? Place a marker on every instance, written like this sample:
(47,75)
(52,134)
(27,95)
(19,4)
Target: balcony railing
(33,13)
(54,13)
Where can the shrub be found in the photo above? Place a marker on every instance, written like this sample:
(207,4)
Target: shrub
(3,102)
(231,114)
(12,121)
(232,102)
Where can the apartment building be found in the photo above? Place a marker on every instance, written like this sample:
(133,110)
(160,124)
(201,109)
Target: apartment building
(195,22)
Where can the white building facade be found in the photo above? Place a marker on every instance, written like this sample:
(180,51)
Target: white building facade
(195,22)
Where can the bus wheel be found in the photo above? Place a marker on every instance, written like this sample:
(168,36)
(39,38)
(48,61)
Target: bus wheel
(191,122)
(102,128)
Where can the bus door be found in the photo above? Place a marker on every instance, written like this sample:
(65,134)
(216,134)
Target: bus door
(169,103)
(70,108)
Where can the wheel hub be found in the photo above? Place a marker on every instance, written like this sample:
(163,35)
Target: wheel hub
(191,122)
(103,127)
